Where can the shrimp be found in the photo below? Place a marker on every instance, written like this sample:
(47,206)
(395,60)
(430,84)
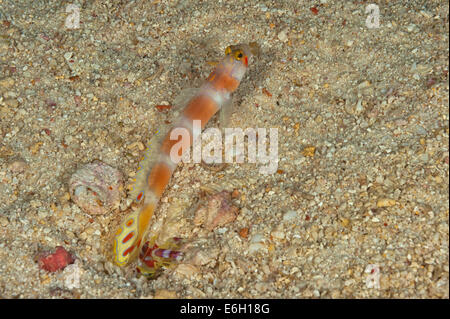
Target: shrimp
(158,165)
(152,257)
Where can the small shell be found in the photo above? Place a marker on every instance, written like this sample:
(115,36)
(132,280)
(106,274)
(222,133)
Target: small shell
(218,211)
(186,270)
(18,166)
(202,257)
(96,188)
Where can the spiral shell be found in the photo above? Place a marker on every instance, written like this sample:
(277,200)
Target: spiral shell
(96,188)
(217,211)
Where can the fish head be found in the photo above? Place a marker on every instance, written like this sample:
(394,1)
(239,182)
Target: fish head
(242,53)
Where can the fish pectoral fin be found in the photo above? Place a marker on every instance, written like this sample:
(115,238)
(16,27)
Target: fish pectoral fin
(225,114)
(213,63)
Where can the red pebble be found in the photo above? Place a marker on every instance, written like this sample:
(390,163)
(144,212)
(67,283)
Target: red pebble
(77,99)
(56,261)
(264,90)
(314,10)
(162,108)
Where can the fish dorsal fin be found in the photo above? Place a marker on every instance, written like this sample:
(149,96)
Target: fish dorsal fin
(152,152)
(151,155)
(183,98)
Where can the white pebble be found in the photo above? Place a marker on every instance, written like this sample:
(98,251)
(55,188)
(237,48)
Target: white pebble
(290,215)
(256,238)
(283,35)
(256,247)
(278,234)
(68,55)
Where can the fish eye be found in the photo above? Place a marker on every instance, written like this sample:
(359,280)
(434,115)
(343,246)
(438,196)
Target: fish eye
(238,55)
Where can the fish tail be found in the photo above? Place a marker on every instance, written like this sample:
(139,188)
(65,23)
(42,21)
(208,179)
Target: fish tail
(128,238)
